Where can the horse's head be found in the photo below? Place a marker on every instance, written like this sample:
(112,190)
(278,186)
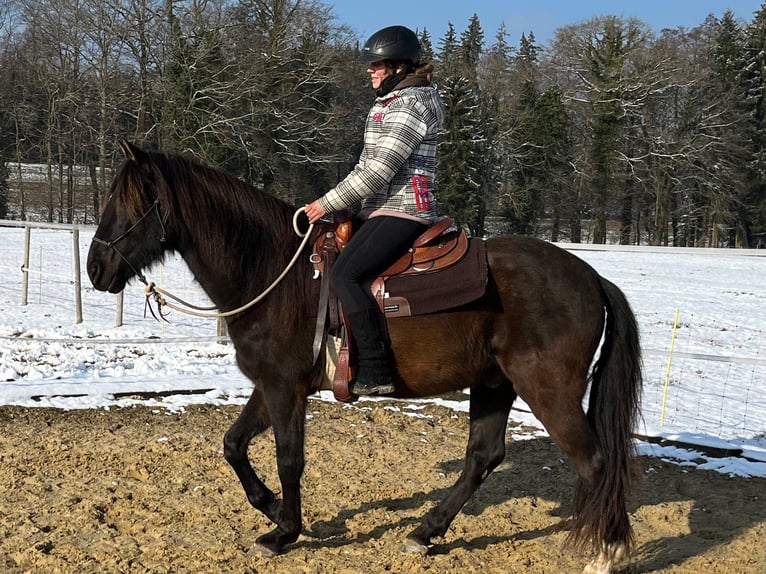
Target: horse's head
(132,233)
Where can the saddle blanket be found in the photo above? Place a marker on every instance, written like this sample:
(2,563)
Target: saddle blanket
(429,292)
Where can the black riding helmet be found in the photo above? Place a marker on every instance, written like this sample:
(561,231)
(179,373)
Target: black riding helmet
(395,43)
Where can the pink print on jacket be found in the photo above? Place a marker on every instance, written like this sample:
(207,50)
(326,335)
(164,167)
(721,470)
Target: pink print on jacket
(422,193)
(378,116)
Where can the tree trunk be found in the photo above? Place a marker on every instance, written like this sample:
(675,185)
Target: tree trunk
(95,196)
(626,214)
(555,225)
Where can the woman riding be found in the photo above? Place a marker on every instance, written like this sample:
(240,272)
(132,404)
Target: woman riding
(394,181)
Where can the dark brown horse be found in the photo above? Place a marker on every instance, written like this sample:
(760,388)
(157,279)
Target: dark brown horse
(533,335)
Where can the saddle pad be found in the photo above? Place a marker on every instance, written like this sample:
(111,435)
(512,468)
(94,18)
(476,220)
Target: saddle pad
(457,285)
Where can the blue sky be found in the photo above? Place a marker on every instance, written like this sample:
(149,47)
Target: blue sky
(543,17)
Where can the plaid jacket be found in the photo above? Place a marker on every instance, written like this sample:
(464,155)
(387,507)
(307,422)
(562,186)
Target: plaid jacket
(397,167)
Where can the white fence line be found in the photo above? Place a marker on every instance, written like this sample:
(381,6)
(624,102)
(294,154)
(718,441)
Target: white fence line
(704,357)
(44,225)
(118,342)
(715,251)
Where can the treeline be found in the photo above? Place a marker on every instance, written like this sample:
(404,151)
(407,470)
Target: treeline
(611,133)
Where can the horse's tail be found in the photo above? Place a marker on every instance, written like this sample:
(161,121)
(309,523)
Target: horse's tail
(600,515)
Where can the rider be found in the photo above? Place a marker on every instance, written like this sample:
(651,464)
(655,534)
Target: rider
(395,181)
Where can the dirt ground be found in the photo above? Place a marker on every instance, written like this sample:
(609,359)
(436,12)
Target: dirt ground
(143,490)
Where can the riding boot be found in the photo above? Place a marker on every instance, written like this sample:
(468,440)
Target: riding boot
(375,375)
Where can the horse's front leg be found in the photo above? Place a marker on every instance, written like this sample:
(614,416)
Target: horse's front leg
(287,408)
(252,421)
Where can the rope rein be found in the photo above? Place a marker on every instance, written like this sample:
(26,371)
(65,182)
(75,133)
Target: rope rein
(159,294)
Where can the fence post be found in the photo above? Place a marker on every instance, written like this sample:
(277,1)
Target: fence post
(25,266)
(667,374)
(77,280)
(222,331)
(120,300)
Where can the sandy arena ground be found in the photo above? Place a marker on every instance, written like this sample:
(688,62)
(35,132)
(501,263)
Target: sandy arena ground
(140,490)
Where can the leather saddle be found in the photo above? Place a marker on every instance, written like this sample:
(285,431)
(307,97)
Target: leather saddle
(433,250)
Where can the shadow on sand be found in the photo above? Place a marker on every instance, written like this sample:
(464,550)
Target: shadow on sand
(720,507)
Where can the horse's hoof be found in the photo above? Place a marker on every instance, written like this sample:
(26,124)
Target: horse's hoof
(262,551)
(414,547)
(608,559)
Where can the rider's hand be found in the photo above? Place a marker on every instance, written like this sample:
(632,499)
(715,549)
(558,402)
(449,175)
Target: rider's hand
(314,212)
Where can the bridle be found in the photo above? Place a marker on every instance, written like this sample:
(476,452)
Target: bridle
(112,244)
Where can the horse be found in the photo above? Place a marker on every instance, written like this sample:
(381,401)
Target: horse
(547,327)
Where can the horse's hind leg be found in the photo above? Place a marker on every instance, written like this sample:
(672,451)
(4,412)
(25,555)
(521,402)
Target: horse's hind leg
(489,408)
(570,429)
(253,420)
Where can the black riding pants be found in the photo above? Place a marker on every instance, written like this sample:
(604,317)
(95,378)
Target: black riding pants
(376,245)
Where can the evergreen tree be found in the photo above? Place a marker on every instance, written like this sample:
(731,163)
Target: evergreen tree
(303,102)
(426,46)
(560,201)
(728,53)
(527,58)
(727,98)
(497,124)
(753,218)
(448,53)
(457,176)
(606,59)
(521,200)
(471,49)
(461,146)
(540,186)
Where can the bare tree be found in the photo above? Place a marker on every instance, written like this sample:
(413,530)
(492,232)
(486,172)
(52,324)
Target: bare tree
(105,54)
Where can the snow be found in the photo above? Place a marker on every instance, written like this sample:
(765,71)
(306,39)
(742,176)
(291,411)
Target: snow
(713,390)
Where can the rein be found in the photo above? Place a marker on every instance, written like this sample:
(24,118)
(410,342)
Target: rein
(159,294)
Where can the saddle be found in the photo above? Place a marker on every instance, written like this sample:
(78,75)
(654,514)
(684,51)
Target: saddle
(431,251)
(443,269)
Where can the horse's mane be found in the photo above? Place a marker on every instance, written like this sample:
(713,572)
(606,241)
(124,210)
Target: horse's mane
(207,197)
(246,231)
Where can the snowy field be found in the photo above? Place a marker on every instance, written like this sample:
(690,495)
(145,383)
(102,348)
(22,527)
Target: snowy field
(711,392)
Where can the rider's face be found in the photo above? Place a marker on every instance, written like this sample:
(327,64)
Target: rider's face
(379,71)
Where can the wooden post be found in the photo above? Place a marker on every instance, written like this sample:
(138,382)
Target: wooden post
(77,280)
(221,330)
(25,266)
(120,301)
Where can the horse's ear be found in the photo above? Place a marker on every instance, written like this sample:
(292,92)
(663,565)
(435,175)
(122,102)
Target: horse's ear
(131,151)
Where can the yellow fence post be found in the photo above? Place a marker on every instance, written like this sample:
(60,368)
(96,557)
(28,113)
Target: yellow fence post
(667,373)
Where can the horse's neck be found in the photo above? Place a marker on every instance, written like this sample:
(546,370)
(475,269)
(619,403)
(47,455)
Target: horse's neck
(205,274)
